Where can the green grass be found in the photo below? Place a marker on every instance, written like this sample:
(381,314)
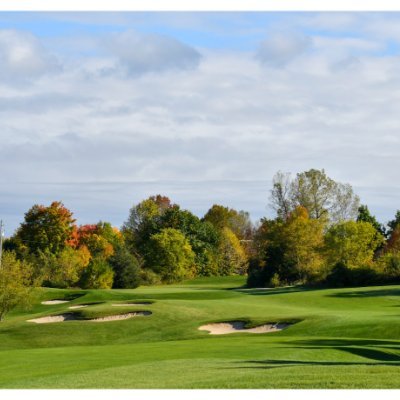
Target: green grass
(341,338)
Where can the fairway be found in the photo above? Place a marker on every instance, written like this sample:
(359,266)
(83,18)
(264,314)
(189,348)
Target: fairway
(339,338)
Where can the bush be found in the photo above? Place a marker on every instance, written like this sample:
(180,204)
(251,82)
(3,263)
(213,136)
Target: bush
(126,269)
(15,283)
(98,275)
(388,266)
(275,280)
(149,277)
(343,276)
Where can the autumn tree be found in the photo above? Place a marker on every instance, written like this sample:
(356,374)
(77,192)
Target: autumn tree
(237,221)
(100,239)
(45,229)
(352,243)
(232,258)
(303,244)
(15,283)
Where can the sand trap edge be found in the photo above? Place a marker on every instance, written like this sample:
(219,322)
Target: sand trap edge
(224,328)
(71,317)
(54,302)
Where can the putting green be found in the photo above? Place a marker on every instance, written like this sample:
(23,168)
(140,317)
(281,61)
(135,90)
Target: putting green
(340,338)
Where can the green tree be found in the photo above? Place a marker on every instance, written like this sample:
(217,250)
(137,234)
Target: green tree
(394,223)
(98,275)
(15,283)
(364,215)
(126,269)
(64,269)
(143,222)
(202,236)
(352,244)
(171,255)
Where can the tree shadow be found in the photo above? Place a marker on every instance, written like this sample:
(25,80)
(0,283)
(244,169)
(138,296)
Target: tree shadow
(367,293)
(272,291)
(376,352)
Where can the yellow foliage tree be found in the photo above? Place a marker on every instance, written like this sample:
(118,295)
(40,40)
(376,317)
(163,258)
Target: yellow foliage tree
(304,240)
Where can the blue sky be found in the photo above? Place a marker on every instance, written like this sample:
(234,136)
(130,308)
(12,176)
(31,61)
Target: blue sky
(101,110)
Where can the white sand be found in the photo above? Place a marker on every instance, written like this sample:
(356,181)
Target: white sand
(52,318)
(120,317)
(71,317)
(50,302)
(224,328)
(78,306)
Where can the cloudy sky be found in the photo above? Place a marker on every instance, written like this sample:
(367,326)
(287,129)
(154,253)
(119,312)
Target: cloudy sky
(101,110)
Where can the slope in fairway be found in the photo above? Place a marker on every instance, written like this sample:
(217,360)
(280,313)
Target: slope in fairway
(340,338)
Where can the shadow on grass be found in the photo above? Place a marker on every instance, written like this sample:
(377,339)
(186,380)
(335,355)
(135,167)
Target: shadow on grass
(268,364)
(367,293)
(272,291)
(376,352)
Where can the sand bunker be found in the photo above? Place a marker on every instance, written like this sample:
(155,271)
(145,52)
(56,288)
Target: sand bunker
(78,306)
(224,328)
(71,317)
(50,302)
(120,316)
(53,318)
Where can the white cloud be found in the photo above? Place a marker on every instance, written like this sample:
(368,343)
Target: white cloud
(22,56)
(87,137)
(140,53)
(281,48)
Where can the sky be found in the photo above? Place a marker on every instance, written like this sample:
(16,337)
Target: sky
(100,110)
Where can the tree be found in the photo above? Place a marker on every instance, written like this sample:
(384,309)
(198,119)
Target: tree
(126,269)
(98,275)
(281,195)
(303,244)
(100,239)
(231,255)
(15,283)
(314,190)
(237,221)
(364,215)
(394,223)
(64,269)
(352,243)
(171,255)
(45,229)
(202,236)
(143,222)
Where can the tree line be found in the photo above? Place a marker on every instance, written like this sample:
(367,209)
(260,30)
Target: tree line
(320,235)
(158,243)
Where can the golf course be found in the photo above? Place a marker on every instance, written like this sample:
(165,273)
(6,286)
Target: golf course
(331,338)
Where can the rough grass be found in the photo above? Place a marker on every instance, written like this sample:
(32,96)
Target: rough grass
(342,338)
